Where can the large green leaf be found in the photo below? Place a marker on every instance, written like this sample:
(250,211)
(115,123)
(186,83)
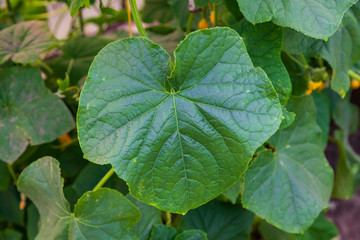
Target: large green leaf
(29,112)
(102,214)
(75,5)
(323,115)
(221,221)
(177,147)
(23,42)
(315,18)
(342,50)
(290,186)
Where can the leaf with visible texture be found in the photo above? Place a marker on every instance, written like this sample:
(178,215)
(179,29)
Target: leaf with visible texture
(29,112)
(342,50)
(162,232)
(10,234)
(191,235)
(323,115)
(177,142)
(290,186)
(25,41)
(101,214)
(315,18)
(322,229)
(263,43)
(221,221)
(75,5)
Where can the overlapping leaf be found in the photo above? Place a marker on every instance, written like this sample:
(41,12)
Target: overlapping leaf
(342,50)
(221,221)
(75,5)
(104,213)
(315,18)
(178,141)
(29,112)
(290,186)
(25,41)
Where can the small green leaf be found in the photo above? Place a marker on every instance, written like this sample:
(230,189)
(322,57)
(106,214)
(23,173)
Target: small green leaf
(191,235)
(104,213)
(29,112)
(221,221)
(180,141)
(315,18)
(25,41)
(150,216)
(9,234)
(75,5)
(290,186)
(342,50)
(162,232)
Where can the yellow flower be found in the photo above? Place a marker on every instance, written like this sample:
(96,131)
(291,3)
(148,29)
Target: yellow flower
(203,24)
(212,17)
(355,84)
(314,85)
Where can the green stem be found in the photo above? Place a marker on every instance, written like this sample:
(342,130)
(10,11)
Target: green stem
(81,19)
(9,9)
(321,62)
(354,75)
(189,23)
(45,66)
(303,59)
(136,16)
(295,60)
(168,219)
(104,179)
(12,173)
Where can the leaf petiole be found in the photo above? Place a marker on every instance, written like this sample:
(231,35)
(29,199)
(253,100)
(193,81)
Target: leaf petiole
(104,179)
(137,19)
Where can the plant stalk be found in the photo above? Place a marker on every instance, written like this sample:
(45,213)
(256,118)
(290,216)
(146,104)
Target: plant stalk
(353,74)
(129,17)
(189,23)
(81,19)
(12,173)
(104,179)
(216,10)
(9,10)
(136,17)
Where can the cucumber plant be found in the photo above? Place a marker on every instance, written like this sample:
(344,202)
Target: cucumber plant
(210,123)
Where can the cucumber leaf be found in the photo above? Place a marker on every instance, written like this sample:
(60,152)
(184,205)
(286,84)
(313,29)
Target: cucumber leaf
(25,41)
(29,112)
(177,141)
(292,185)
(101,214)
(315,18)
